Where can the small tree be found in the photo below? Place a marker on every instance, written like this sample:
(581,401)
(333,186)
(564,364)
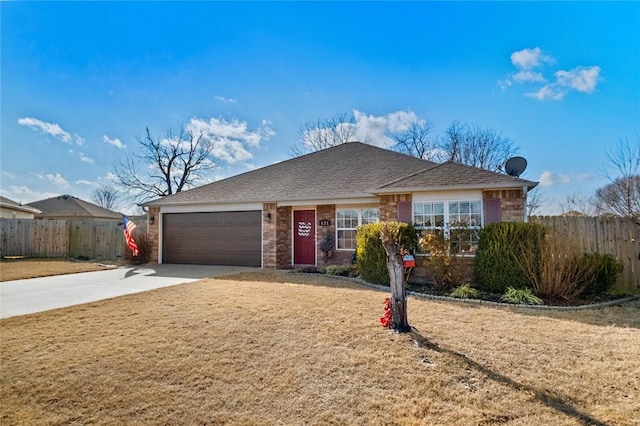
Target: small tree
(324,133)
(417,141)
(393,236)
(622,196)
(106,196)
(476,146)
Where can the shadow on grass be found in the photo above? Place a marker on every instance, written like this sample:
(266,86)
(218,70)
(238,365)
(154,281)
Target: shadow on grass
(555,401)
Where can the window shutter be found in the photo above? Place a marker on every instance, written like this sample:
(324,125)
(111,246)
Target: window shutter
(404,211)
(492,211)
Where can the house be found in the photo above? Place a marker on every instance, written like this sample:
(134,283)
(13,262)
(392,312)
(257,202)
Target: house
(276,216)
(10,209)
(69,207)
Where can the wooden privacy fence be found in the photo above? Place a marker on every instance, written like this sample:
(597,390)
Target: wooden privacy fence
(100,240)
(616,236)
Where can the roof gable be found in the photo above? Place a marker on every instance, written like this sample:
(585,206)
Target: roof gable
(454,175)
(70,206)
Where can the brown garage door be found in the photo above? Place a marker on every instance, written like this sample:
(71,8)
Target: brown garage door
(220,238)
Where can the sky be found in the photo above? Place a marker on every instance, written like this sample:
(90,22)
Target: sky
(80,82)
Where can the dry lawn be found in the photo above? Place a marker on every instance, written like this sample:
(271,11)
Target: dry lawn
(22,269)
(248,352)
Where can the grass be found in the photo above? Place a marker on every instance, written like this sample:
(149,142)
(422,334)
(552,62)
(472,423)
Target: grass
(242,351)
(33,268)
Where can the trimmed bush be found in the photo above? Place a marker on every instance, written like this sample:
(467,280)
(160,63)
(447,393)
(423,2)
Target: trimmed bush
(145,245)
(605,272)
(500,245)
(370,255)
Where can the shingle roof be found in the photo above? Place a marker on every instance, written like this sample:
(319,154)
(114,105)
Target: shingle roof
(348,170)
(9,203)
(454,175)
(69,206)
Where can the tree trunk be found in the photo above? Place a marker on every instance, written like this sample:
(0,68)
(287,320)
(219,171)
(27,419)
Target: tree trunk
(395,266)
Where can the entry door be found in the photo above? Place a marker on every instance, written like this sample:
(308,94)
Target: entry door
(304,237)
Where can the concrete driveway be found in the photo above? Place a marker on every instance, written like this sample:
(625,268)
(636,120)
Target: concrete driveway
(23,297)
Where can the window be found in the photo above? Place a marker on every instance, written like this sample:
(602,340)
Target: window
(347,220)
(456,221)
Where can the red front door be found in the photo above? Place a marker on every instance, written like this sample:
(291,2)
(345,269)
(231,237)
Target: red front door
(304,237)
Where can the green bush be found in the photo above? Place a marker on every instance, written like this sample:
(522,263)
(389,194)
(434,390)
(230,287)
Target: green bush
(499,246)
(605,272)
(465,292)
(521,296)
(342,270)
(370,255)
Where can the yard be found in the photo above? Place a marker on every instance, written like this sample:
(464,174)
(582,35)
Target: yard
(311,351)
(20,269)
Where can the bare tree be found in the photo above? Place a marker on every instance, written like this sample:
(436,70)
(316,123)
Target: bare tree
(621,196)
(106,196)
(535,200)
(324,133)
(417,141)
(165,166)
(476,146)
(578,203)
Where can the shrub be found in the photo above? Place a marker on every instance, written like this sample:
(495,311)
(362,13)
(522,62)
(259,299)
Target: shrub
(341,270)
(145,245)
(370,255)
(605,272)
(443,269)
(557,271)
(500,245)
(465,292)
(521,296)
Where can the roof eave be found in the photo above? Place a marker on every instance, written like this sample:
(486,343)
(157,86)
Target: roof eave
(399,190)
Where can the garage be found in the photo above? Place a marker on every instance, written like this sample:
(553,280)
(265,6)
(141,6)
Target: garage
(213,238)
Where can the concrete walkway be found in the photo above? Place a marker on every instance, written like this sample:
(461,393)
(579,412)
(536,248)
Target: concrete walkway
(23,297)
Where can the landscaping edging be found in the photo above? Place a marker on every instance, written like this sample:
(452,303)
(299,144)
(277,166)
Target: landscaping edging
(487,302)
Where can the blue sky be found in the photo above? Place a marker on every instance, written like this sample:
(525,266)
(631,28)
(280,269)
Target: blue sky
(81,80)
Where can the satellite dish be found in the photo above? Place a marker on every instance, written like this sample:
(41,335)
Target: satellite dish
(515,166)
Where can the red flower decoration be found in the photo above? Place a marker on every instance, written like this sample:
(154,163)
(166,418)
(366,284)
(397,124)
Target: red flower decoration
(386,319)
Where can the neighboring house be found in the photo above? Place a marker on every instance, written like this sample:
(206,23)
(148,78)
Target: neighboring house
(276,216)
(69,207)
(10,209)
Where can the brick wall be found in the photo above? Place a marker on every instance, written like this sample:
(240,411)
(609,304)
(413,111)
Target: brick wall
(283,237)
(269,245)
(153,232)
(511,203)
(389,205)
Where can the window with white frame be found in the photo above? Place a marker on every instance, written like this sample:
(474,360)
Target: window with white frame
(347,220)
(455,221)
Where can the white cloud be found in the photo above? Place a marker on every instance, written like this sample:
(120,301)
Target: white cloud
(547,92)
(583,79)
(225,100)
(527,59)
(87,182)
(232,140)
(375,129)
(548,178)
(111,178)
(528,76)
(45,128)
(57,180)
(115,142)
(79,140)
(586,176)
(8,174)
(86,159)
(27,195)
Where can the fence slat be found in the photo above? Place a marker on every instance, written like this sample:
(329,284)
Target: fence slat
(619,237)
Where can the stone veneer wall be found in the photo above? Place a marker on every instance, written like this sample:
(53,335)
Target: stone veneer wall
(283,238)
(153,232)
(269,246)
(512,203)
(389,205)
